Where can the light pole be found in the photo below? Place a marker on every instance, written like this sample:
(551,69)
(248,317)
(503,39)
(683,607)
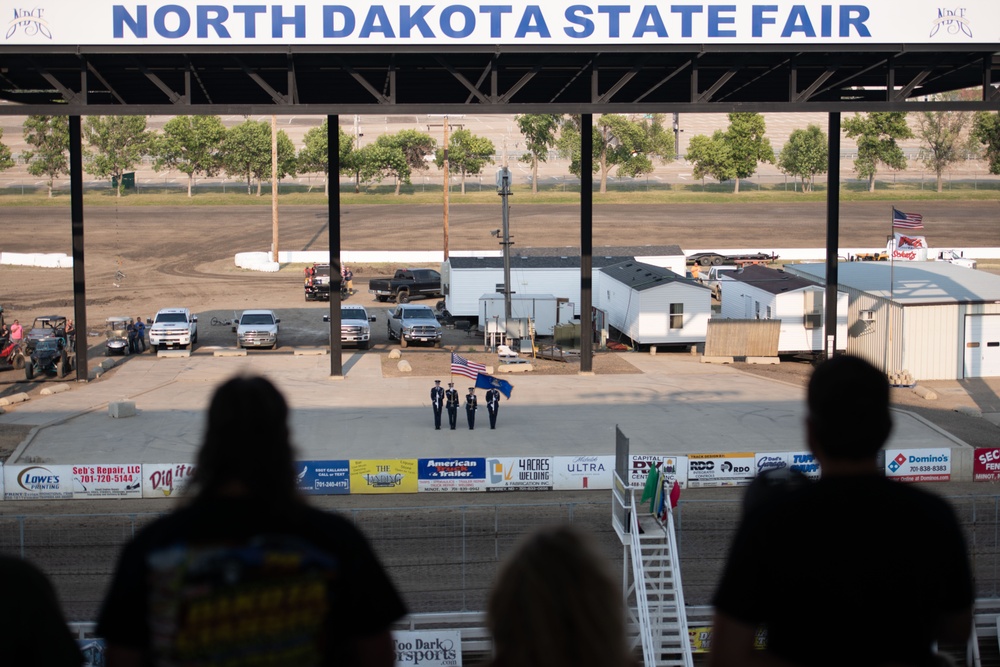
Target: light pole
(503,189)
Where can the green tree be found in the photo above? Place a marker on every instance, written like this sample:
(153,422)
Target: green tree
(6,158)
(805,154)
(379,161)
(876,135)
(711,156)
(415,146)
(49,135)
(467,154)
(619,141)
(539,132)
(119,142)
(941,136)
(246,152)
(747,144)
(190,144)
(986,130)
(315,154)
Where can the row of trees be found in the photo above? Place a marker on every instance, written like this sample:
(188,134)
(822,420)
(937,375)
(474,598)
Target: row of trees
(203,146)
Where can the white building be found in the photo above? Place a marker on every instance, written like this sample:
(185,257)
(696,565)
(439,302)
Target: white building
(937,320)
(763,293)
(652,305)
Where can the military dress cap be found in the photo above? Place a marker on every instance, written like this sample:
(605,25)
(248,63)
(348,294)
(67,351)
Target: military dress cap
(437,381)
(472,388)
(451,384)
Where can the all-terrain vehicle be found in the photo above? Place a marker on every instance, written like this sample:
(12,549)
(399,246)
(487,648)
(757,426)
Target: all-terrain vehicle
(48,358)
(116,332)
(44,328)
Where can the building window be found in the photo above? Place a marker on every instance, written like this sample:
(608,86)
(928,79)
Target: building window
(677,316)
(812,311)
(767,316)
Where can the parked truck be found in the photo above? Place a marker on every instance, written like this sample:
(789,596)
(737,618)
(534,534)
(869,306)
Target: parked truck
(317,282)
(718,259)
(406,284)
(412,324)
(173,328)
(955,257)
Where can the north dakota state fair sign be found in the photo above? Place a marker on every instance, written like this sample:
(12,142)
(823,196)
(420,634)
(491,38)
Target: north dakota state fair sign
(450,23)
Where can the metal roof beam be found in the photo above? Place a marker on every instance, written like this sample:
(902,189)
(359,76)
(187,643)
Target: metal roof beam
(664,80)
(905,91)
(807,94)
(379,97)
(462,80)
(97,75)
(69,96)
(714,88)
(172,95)
(628,76)
(279,99)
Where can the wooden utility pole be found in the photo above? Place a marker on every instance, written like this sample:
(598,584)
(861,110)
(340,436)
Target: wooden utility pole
(446,188)
(274,185)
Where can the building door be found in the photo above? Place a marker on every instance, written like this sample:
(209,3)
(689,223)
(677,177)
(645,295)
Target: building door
(982,346)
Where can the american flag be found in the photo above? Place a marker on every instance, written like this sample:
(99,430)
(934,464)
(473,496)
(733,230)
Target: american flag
(907,220)
(462,366)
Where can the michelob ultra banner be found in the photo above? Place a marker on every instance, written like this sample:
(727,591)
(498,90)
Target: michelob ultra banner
(384,476)
(572,473)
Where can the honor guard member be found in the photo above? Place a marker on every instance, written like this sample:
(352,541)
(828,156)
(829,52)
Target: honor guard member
(493,405)
(451,402)
(470,407)
(437,403)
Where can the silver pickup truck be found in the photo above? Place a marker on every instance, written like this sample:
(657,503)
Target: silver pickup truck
(412,324)
(354,326)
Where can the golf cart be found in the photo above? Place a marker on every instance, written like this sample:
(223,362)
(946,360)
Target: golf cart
(116,332)
(48,358)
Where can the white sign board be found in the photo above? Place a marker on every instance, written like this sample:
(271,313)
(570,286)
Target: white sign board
(107,481)
(428,648)
(918,465)
(729,469)
(162,480)
(38,482)
(519,473)
(573,473)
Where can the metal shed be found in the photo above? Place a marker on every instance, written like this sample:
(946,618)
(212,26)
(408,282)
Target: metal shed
(652,305)
(937,320)
(764,293)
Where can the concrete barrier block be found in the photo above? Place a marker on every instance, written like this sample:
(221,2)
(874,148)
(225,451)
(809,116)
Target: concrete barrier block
(121,409)
(767,361)
(96,372)
(309,351)
(173,354)
(14,398)
(971,412)
(230,352)
(716,360)
(515,368)
(55,389)
(404,366)
(925,393)
(395,354)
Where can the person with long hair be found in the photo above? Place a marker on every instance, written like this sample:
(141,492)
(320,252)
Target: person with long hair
(555,604)
(247,573)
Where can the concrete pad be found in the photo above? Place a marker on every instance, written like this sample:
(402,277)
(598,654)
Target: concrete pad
(55,389)
(309,351)
(230,352)
(174,354)
(14,398)
(121,409)
(765,361)
(716,360)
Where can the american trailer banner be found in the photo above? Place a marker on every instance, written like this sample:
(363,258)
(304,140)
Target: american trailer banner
(451,474)
(918,465)
(324,478)
(444,23)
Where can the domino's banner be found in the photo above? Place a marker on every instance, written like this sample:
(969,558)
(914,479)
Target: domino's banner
(164,480)
(708,470)
(512,473)
(324,478)
(918,465)
(803,462)
(38,482)
(574,473)
(443,23)
(451,474)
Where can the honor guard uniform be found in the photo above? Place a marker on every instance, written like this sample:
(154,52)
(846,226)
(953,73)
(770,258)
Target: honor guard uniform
(437,403)
(451,402)
(470,407)
(493,405)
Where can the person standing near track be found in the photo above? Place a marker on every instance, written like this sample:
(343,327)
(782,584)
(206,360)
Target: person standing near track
(451,400)
(247,573)
(853,569)
(471,405)
(437,403)
(493,405)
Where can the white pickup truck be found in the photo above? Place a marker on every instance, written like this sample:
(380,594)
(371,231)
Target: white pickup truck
(954,257)
(173,328)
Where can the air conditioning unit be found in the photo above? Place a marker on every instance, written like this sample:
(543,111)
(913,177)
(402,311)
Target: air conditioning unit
(813,320)
(867,315)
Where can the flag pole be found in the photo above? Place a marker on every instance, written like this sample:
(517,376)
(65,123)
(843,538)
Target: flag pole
(892,266)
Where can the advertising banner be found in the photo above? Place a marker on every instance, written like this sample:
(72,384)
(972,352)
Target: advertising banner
(324,478)
(732,469)
(572,473)
(163,480)
(384,476)
(428,648)
(909,248)
(1,480)
(803,462)
(457,474)
(918,465)
(107,481)
(38,482)
(511,473)
(986,464)
(673,467)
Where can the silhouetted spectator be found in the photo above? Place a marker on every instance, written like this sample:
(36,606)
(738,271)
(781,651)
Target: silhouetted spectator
(32,628)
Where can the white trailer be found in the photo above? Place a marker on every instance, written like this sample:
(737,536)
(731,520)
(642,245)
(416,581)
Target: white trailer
(541,309)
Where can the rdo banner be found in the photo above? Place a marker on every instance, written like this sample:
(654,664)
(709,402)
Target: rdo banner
(428,648)
(451,474)
(163,480)
(573,473)
(732,469)
(918,465)
(510,473)
(38,482)
(324,478)
(384,476)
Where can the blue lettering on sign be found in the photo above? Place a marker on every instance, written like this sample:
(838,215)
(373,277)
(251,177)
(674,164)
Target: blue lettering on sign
(532,21)
(213,16)
(448,26)
(686,12)
(650,21)
(376,21)
(330,16)
(716,20)
(408,20)
(279,21)
(759,20)
(577,15)
(249,18)
(614,13)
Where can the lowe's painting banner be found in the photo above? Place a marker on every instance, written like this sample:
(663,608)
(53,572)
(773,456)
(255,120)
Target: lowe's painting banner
(324,478)
(428,648)
(986,465)
(918,465)
(457,474)
(803,462)
(708,470)
(573,473)
(672,467)
(582,24)
(37,482)
(510,473)
(107,481)
(163,480)
(384,476)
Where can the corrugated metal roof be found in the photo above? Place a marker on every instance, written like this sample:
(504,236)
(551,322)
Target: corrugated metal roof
(604,251)
(640,276)
(770,280)
(540,262)
(913,283)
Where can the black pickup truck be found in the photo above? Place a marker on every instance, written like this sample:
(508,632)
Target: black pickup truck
(406,284)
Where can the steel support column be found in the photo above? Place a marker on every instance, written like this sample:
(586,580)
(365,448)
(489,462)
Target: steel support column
(76,221)
(333,228)
(832,235)
(586,242)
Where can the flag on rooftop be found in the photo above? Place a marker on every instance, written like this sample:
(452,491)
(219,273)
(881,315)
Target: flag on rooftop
(906,220)
(462,366)
(485,381)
